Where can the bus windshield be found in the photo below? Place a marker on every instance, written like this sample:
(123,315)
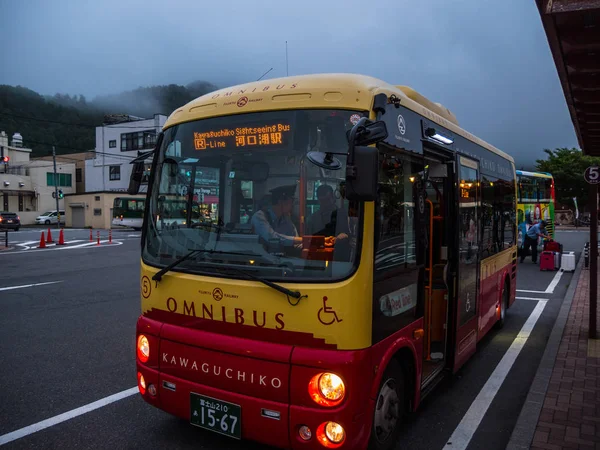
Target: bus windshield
(247,198)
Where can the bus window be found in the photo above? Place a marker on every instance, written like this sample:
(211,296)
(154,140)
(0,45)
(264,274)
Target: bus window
(544,189)
(234,180)
(396,273)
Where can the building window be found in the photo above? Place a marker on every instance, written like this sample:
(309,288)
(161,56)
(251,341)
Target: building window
(64,179)
(138,140)
(78,175)
(114,173)
(97,211)
(97,198)
(20,202)
(112,143)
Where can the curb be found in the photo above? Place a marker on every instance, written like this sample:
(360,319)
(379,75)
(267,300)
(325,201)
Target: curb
(524,430)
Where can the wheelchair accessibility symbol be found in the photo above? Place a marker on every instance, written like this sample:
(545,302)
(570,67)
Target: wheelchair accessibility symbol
(327,314)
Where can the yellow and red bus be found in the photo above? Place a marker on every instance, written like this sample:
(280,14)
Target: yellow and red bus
(358,246)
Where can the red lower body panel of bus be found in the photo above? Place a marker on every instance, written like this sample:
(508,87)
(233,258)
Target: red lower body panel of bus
(261,391)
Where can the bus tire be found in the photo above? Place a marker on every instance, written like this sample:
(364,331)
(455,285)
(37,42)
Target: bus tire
(390,408)
(503,305)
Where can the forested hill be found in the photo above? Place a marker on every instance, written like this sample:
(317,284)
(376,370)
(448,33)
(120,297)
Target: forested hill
(69,122)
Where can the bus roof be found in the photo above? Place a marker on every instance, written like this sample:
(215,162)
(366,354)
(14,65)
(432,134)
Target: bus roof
(332,90)
(534,174)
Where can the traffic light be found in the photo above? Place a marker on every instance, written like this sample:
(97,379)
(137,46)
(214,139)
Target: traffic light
(5,159)
(60,193)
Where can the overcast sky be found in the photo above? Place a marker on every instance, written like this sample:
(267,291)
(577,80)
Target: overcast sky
(485,60)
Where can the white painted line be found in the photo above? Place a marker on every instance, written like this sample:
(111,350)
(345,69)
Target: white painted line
(531,298)
(8,288)
(103,244)
(531,292)
(554,282)
(18,434)
(134,235)
(470,422)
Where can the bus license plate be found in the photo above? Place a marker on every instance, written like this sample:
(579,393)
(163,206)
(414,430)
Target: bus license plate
(216,415)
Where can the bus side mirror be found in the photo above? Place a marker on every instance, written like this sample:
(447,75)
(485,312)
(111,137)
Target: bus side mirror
(361,177)
(362,168)
(135,180)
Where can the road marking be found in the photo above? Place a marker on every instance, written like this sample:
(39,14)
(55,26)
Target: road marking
(18,434)
(8,288)
(69,247)
(554,282)
(531,292)
(470,422)
(550,288)
(531,298)
(133,235)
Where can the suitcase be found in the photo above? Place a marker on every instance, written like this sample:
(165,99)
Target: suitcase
(568,262)
(552,246)
(547,260)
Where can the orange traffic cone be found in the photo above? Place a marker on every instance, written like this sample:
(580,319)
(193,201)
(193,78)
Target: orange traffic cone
(61,237)
(49,238)
(42,241)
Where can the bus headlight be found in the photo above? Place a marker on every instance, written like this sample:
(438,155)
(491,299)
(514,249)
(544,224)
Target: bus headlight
(143,348)
(327,389)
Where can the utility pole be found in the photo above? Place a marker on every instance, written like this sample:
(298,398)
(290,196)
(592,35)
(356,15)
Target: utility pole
(593,260)
(56,188)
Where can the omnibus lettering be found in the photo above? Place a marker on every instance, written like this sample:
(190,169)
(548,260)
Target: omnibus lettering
(233,315)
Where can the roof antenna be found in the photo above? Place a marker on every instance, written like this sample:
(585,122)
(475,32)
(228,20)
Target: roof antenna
(265,74)
(287,72)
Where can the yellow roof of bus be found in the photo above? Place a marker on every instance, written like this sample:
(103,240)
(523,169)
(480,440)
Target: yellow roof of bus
(534,174)
(331,91)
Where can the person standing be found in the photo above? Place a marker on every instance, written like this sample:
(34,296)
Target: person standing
(531,240)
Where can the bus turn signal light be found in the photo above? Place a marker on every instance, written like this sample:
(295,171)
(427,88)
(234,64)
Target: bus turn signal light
(143,348)
(327,389)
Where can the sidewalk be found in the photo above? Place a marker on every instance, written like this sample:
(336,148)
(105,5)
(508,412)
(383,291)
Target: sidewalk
(562,410)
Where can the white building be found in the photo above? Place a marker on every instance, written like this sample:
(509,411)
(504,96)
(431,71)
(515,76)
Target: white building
(117,143)
(26,186)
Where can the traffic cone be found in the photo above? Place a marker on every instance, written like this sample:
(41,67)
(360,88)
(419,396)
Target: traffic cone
(109,236)
(98,234)
(61,237)
(91,236)
(42,241)
(49,238)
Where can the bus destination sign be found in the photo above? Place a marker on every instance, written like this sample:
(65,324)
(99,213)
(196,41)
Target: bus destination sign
(268,135)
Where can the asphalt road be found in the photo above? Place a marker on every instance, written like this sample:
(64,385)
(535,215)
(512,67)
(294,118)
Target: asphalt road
(70,343)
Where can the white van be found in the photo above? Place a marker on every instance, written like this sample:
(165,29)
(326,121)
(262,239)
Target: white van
(50,217)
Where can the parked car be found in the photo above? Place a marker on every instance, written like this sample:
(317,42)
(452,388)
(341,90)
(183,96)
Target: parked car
(50,217)
(9,220)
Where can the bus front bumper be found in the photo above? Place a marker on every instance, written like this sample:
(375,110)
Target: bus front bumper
(267,422)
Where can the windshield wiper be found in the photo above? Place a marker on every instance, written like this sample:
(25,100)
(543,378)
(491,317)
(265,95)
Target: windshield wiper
(158,275)
(294,294)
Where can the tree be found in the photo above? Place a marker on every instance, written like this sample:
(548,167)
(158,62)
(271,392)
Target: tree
(567,167)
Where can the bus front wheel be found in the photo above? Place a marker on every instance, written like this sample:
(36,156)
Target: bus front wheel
(390,408)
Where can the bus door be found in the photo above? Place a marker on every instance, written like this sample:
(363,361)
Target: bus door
(465,277)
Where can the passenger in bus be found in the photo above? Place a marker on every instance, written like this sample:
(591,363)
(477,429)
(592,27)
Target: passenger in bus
(274,222)
(329,220)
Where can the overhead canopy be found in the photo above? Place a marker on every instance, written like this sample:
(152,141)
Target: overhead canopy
(573,31)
